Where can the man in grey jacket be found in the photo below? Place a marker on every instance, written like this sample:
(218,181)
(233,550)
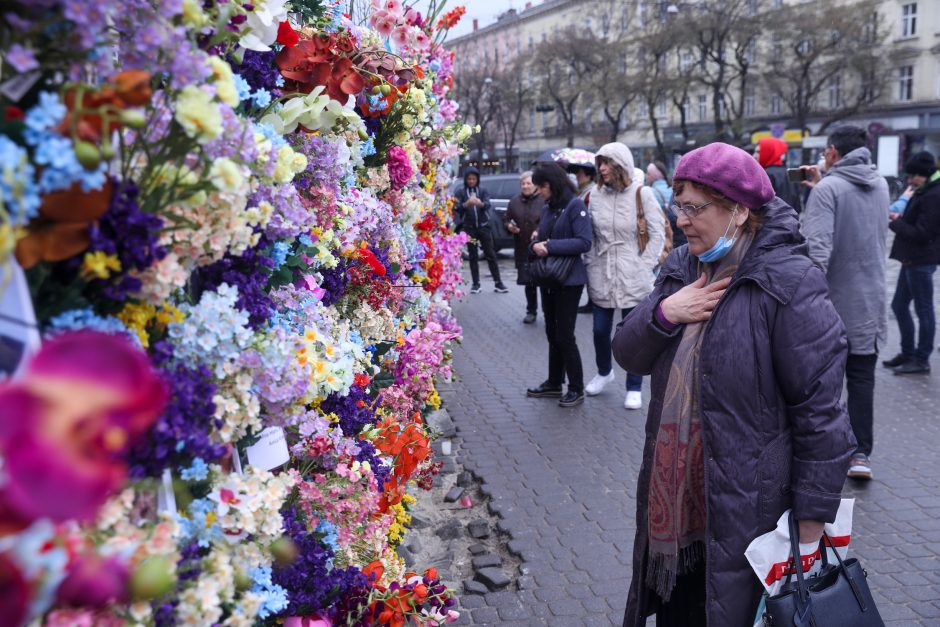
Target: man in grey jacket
(845,225)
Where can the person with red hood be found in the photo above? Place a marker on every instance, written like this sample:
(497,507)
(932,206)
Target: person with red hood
(770,153)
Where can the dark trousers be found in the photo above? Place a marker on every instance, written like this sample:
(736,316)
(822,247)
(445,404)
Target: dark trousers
(531,298)
(603,325)
(686,605)
(560,307)
(915,283)
(484,237)
(860,381)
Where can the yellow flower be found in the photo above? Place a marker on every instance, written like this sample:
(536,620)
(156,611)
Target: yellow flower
(224,81)
(198,114)
(193,15)
(100,265)
(225,175)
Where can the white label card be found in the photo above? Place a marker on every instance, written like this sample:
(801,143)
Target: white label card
(270,451)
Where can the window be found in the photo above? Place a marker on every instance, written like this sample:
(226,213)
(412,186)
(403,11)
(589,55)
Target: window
(605,24)
(531,42)
(775,104)
(686,109)
(722,108)
(662,108)
(685,60)
(750,53)
(906,83)
(641,14)
(835,92)
(588,24)
(778,4)
(588,119)
(624,20)
(544,120)
(749,101)
(702,108)
(909,19)
(642,110)
(662,62)
(531,120)
(752,7)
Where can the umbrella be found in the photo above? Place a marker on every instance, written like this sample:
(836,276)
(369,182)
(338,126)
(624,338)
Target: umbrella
(568,157)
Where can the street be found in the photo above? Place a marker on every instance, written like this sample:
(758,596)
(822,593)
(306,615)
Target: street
(563,481)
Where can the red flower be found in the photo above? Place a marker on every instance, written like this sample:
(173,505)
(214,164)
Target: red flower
(287,36)
(368,257)
(13,113)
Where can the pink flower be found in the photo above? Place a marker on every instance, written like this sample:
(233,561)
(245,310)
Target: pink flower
(413,17)
(401,36)
(422,41)
(93,582)
(394,7)
(399,167)
(86,398)
(307,621)
(383,23)
(14,592)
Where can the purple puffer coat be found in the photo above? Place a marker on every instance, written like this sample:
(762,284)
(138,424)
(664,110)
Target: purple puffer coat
(775,432)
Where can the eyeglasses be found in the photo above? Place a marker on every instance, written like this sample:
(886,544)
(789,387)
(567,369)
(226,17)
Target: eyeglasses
(690,210)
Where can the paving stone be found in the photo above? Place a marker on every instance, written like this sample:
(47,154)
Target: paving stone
(478,529)
(449,530)
(474,587)
(486,561)
(465,479)
(494,578)
(406,555)
(453,494)
(448,466)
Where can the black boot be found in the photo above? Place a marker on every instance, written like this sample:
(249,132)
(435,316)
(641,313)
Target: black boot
(544,390)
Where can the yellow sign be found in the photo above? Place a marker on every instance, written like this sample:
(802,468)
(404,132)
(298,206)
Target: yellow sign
(791,136)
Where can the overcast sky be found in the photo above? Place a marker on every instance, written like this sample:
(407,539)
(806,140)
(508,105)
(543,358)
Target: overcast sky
(483,10)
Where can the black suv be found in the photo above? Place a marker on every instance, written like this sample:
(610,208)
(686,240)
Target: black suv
(501,188)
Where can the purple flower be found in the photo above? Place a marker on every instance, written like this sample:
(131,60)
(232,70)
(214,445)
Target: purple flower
(334,281)
(22,59)
(130,234)
(259,69)
(182,432)
(249,272)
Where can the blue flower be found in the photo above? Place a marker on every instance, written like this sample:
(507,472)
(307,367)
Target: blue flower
(435,65)
(276,139)
(262,97)
(368,147)
(75,319)
(274,597)
(305,240)
(18,189)
(279,254)
(198,471)
(195,526)
(47,113)
(242,87)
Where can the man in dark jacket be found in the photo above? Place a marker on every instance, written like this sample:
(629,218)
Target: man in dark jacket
(917,247)
(473,211)
(846,230)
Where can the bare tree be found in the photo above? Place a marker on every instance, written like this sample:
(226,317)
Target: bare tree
(565,63)
(827,60)
(512,96)
(473,90)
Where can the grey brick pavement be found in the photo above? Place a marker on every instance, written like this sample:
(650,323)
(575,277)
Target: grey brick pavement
(563,480)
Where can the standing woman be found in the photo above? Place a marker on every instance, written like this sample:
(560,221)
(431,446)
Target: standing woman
(620,275)
(747,356)
(521,219)
(658,179)
(564,230)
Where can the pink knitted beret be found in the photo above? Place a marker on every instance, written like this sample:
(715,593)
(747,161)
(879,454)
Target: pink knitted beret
(729,170)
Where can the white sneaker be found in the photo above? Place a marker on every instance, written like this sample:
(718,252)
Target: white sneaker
(634,400)
(598,383)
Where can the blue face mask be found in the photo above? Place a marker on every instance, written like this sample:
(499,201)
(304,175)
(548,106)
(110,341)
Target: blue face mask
(723,245)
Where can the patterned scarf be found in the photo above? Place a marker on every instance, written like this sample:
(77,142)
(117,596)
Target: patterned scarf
(677,512)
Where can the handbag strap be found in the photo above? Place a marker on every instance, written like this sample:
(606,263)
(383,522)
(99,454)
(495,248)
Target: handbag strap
(642,237)
(804,606)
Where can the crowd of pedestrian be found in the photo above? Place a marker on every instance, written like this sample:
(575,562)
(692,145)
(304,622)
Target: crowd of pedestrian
(771,305)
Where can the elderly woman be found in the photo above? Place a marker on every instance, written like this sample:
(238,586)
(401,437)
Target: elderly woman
(521,219)
(620,273)
(747,356)
(564,230)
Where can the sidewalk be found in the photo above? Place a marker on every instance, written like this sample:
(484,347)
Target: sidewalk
(564,480)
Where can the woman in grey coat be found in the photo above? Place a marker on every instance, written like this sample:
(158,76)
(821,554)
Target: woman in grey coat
(746,354)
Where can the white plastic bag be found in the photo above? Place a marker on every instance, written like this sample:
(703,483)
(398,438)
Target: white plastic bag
(769,554)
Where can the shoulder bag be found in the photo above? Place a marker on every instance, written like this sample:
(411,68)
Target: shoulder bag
(642,234)
(837,597)
(552,270)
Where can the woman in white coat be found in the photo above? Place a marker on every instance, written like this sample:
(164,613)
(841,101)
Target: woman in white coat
(620,275)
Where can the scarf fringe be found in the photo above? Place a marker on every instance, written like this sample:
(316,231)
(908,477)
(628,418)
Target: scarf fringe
(662,569)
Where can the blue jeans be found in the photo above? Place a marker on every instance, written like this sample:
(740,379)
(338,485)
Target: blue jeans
(603,326)
(915,283)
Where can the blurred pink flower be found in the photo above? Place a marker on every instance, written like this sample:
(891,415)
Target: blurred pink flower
(401,36)
(93,582)
(399,167)
(85,399)
(14,593)
(307,621)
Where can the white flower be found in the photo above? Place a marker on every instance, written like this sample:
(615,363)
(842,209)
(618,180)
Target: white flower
(226,175)
(260,29)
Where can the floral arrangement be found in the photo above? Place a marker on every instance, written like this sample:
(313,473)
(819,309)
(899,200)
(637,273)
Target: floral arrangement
(232,223)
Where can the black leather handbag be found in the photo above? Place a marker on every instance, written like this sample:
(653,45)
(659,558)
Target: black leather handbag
(837,597)
(551,271)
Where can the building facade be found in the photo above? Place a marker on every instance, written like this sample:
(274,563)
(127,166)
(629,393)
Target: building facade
(903,118)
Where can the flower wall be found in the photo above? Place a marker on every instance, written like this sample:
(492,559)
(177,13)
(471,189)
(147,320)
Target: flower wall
(228,227)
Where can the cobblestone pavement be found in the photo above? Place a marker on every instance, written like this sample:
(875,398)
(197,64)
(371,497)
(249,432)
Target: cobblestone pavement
(563,480)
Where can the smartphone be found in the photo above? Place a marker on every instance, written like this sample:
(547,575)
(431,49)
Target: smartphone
(513,222)
(796,174)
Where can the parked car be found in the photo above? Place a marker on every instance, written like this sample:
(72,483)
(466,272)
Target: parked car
(501,188)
